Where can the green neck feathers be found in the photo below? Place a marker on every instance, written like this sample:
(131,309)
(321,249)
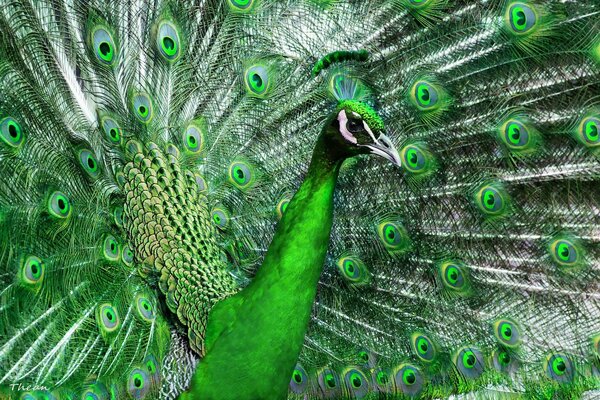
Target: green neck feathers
(253,339)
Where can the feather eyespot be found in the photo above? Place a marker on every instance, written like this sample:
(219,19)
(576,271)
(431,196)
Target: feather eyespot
(356,382)
(11,132)
(193,138)
(59,205)
(107,318)
(353,270)
(507,332)
(168,41)
(138,384)
(425,95)
(111,129)
(409,380)
(142,107)
(560,368)
(241,174)
(521,17)
(33,270)
(469,362)
(423,347)
(257,80)
(220,218)
(104,45)
(89,163)
(145,309)
(299,380)
(589,131)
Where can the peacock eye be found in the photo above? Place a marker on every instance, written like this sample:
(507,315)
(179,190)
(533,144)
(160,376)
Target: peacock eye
(118,216)
(200,183)
(469,362)
(104,45)
(414,159)
(110,248)
(282,206)
(353,270)
(453,276)
(356,382)
(59,205)
(257,80)
(142,107)
(138,384)
(522,18)
(220,218)
(516,135)
(507,332)
(423,347)
(299,380)
(89,163)
(589,131)
(127,255)
(152,368)
(108,318)
(425,95)
(364,357)
(33,270)
(168,41)
(564,252)
(241,175)
(355,126)
(12,134)
(409,380)
(393,236)
(328,381)
(503,361)
(193,139)
(560,368)
(112,130)
(241,5)
(490,200)
(145,309)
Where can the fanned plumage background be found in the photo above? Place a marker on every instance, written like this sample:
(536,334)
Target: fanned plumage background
(493,221)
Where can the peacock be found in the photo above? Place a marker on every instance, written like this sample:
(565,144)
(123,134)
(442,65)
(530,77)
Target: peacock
(301,199)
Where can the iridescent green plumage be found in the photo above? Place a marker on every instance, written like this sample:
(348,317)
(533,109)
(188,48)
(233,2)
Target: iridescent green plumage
(150,151)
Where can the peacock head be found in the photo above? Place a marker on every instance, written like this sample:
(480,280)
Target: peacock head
(358,129)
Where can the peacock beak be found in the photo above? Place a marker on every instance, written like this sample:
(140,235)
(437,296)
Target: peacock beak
(383,147)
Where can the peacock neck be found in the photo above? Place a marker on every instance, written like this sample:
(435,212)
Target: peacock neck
(264,325)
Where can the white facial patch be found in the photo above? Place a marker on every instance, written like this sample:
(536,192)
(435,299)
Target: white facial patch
(343,120)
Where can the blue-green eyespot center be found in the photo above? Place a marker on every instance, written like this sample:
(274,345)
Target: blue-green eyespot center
(33,270)
(452,274)
(169,46)
(108,317)
(241,174)
(506,330)
(104,45)
(364,356)
(390,233)
(522,18)
(409,377)
(422,346)
(504,358)
(565,252)
(491,201)
(516,135)
(143,111)
(330,380)
(356,380)
(591,131)
(468,359)
(297,376)
(12,134)
(59,205)
(425,95)
(559,367)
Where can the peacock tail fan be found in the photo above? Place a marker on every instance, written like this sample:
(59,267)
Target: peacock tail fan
(148,150)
